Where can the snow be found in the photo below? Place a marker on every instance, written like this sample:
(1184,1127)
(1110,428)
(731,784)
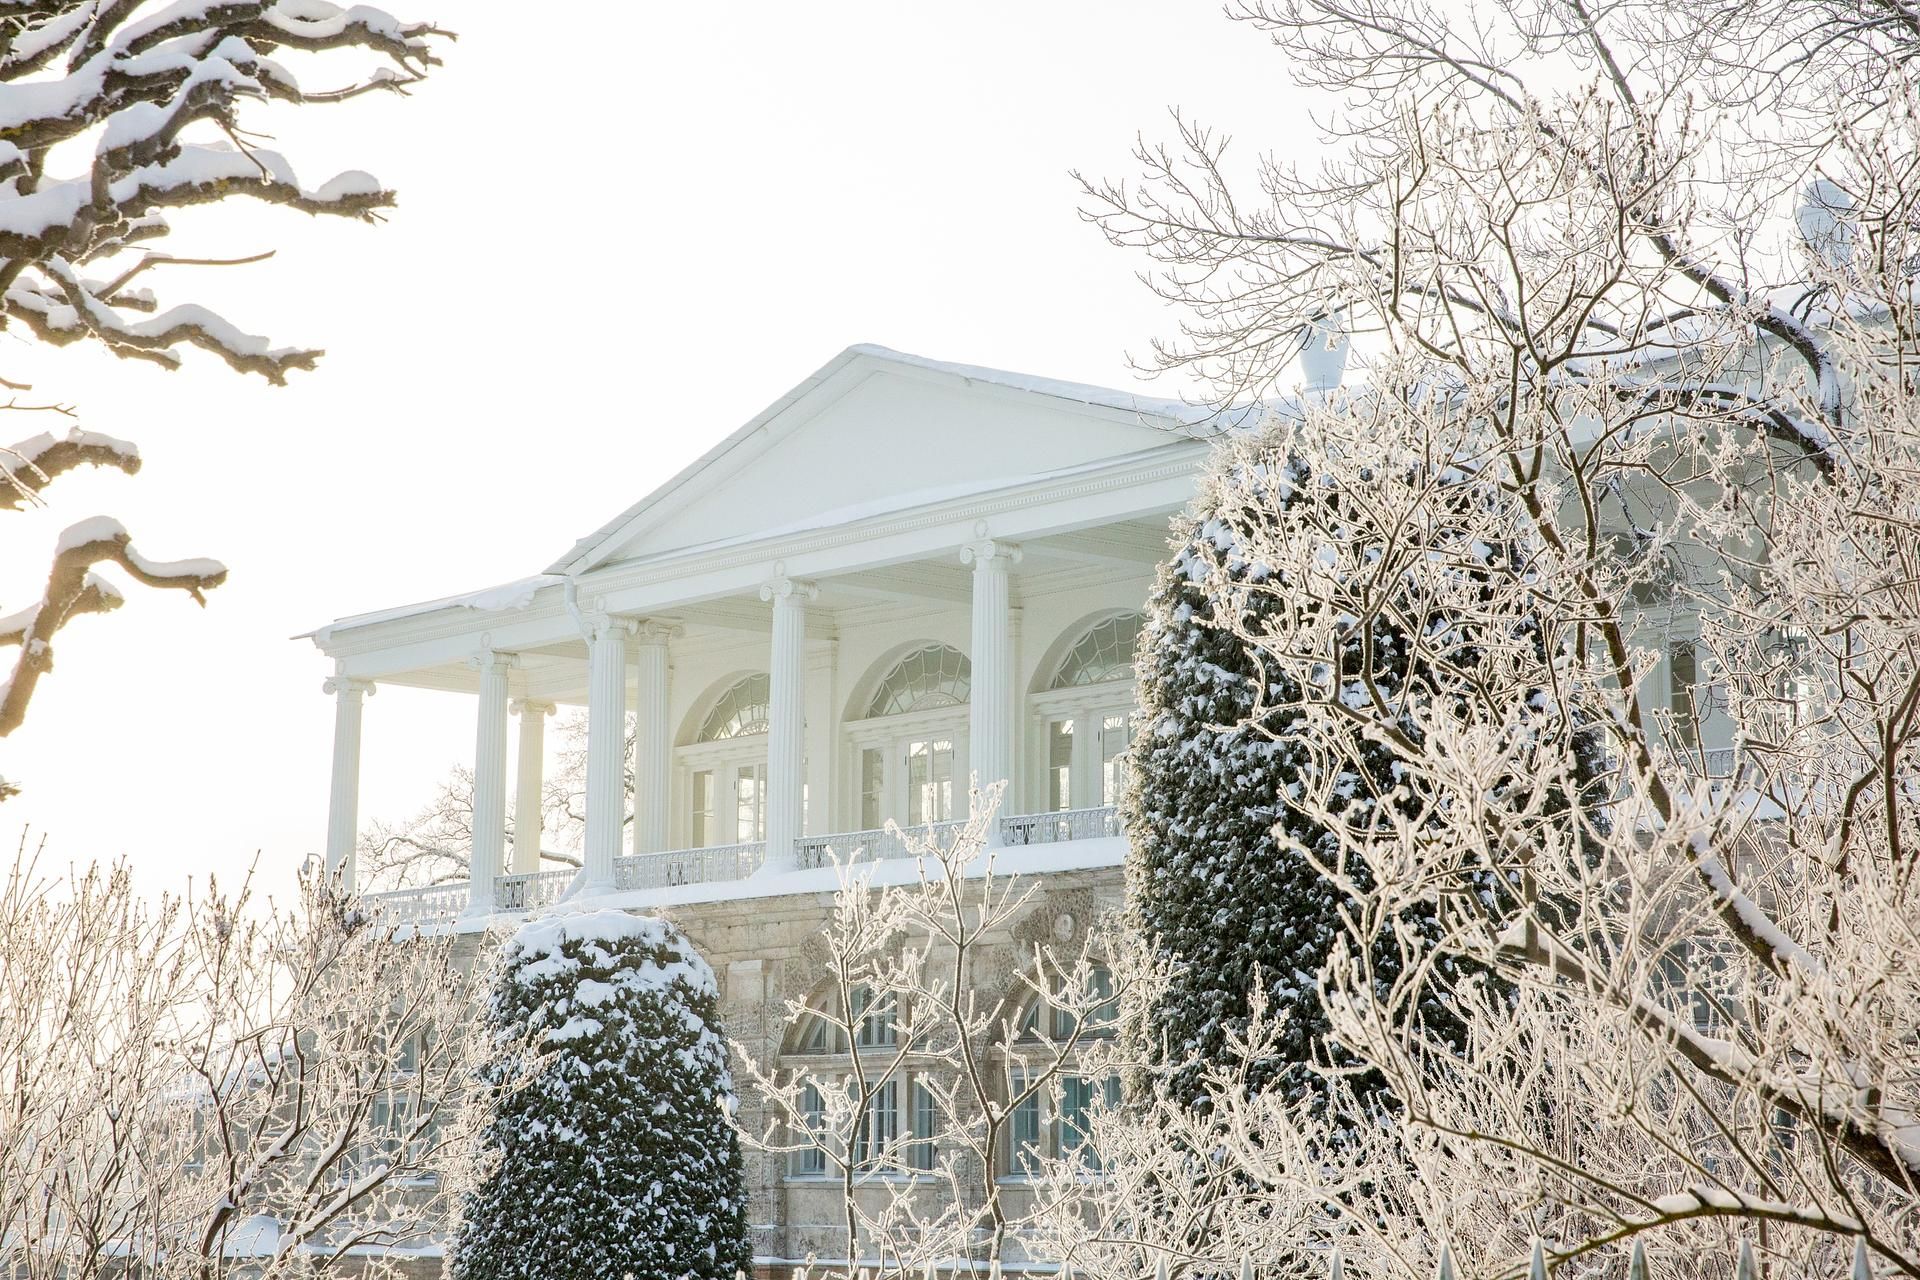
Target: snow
(1039,859)
(515,595)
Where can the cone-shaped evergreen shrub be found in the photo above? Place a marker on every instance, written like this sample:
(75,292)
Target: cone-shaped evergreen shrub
(1212,771)
(614,1158)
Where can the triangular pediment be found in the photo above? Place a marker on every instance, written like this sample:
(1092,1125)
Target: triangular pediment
(875,431)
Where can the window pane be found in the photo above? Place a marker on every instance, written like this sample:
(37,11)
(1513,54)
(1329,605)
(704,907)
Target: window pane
(919,774)
(920,1155)
(1060,765)
(934,677)
(1683,676)
(879,1127)
(811,1160)
(1104,653)
(741,710)
(703,832)
(1023,1136)
(876,1019)
(1115,733)
(942,780)
(750,795)
(873,780)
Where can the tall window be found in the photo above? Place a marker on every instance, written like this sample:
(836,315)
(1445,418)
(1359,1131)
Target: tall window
(879,1125)
(910,748)
(1086,716)
(810,1161)
(725,768)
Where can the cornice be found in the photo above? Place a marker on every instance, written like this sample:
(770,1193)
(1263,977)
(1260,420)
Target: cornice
(703,560)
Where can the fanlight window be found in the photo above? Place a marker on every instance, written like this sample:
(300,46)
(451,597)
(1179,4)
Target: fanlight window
(741,710)
(1045,1020)
(937,676)
(1104,653)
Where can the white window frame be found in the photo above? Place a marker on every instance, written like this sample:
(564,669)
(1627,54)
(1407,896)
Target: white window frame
(891,735)
(1087,705)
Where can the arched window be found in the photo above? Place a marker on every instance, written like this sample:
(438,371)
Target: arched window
(1086,716)
(725,767)
(1103,654)
(740,711)
(895,1129)
(910,748)
(936,676)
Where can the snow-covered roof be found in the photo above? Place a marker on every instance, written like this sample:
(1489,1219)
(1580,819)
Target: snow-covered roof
(1174,415)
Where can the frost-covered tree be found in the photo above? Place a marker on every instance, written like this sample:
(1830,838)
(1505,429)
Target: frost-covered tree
(919,1022)
(615,1157)
(111,114)
(1648,269)
(1228,810)
(206,1087)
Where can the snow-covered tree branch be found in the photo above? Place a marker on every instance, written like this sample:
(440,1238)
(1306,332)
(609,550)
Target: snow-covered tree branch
(1626,457)
(915,1078)
(206,1088)
(110,114)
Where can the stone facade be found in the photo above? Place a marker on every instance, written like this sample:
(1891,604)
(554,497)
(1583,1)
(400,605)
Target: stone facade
(768,951)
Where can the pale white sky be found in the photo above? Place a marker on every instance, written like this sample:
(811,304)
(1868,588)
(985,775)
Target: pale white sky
(623,230)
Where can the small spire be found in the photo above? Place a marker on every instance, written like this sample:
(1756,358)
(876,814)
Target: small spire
(1446,1264)
(1861,1269)
(1748,1268)
(1246,1267)
(1537,1265)
(1637,1266)
(1339,1269)
(1160,1267)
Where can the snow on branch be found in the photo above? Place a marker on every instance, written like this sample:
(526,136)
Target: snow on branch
(111,113)
(74,589)
(30,465)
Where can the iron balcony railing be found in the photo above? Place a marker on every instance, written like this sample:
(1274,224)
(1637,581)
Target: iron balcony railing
(531,890)
(640,871)
(868,846)
(1067,824)
(434,902)
(687,866)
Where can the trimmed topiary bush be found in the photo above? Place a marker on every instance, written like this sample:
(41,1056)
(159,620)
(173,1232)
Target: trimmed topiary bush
(614,1157)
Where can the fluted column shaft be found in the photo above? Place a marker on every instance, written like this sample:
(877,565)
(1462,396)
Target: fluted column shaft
(606,749)
(990,702)
(529,783)
(786,718)
(343,797)
(652,742)
(488,852)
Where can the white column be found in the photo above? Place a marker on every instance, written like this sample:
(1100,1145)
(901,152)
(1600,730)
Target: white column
(606,749)
(652,742)
(529,783)
(990,703)
(343,800)
(488,850)
(786,716)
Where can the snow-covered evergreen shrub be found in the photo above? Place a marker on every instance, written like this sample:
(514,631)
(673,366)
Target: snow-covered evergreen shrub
(1219,767)
(614,1157)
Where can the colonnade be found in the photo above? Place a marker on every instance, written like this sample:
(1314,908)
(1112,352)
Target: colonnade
(614,643)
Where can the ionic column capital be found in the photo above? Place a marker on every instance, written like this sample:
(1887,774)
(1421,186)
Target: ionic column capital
(531,707)
(989,553)
(351,685)
(601,625)
(487,657)
(781,587)
(650,632)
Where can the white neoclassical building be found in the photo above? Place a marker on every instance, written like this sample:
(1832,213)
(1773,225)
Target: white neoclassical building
(901,575)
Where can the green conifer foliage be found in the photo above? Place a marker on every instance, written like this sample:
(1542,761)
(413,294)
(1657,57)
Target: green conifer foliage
(615,1157)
